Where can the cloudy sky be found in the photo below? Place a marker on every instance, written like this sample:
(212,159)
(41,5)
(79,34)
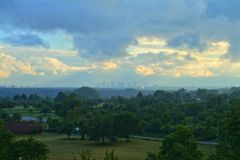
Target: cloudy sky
(141,42)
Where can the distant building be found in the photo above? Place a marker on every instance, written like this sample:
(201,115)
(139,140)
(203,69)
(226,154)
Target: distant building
(33,119)
(24,127)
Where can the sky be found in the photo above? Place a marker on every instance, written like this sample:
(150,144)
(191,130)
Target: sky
(74,43)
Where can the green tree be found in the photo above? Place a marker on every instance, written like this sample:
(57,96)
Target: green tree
(45,110)
(84,155)
(139,95)
(31,149)
(126,123)
(66,102)
(180,145)
(229,137)
(3,115)
(6,103)
(16,117)
(87,92)
(78,116)
(110,156)
(83,125)
(67,128)
(53,124)
(25,106)
(7,144)
(101,127)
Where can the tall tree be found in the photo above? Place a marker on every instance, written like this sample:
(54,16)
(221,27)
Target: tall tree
(7,144)
(67,128)
(180,145)
(229,137)
(101,127)
(78,117)
(31,149)
(126,123)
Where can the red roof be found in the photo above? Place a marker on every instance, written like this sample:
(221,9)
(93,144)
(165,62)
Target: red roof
(24,127)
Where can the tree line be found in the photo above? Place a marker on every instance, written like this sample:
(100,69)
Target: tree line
(177,116)
(157,115)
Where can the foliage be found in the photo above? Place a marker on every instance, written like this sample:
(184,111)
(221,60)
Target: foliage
(87,92)
(153,156)
(45,110)
(67,128)
(7,144)
(180,145)
(229,137)
(54,124)
(78,117)
(125,124)
(147,115)
(3,115)
(101,127)
(16,117)
(31,149)
(110,156)
(84,155)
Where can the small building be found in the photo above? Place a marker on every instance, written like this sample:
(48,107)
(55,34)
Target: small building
(24,127)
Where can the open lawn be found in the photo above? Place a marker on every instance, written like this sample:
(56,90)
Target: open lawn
(63,149)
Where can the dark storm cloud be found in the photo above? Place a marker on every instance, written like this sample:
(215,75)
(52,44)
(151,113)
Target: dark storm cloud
(224,8)
(188,40)
(95,46)
(26,40)
(104,29)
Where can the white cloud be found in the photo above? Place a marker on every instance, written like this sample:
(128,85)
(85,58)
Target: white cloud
(9,65)
(109,65)
(156,57)
(151,56)
(36,51)
(57,66)
(45,61)
(190,70)
(143,70)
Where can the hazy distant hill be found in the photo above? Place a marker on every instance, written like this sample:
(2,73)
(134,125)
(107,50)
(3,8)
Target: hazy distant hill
(88,92)
(84,91)
(46,92)
(110,92)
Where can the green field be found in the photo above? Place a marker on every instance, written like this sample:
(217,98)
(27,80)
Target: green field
(31,111)
(63,149)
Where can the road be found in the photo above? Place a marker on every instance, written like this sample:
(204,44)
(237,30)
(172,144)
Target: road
(160,139)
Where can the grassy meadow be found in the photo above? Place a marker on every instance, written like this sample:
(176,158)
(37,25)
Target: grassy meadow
(63,149)
(30,111)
